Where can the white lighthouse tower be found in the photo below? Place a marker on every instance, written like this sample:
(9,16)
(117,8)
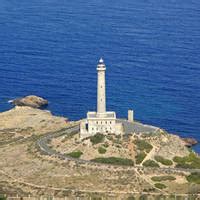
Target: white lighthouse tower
(101,88)
(101,121)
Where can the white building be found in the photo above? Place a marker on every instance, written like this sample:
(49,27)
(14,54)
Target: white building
(101,121)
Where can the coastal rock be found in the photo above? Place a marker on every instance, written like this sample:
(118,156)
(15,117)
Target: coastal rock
(35,120)
(31,101)
(189,142)
(169,146)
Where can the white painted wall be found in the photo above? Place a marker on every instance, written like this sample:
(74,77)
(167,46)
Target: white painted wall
(101,91)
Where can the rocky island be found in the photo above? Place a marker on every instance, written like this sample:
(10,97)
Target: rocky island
(31,101)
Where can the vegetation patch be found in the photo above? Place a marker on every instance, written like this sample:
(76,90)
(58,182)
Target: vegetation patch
(114,161)
(101,150)
(150,163)
(97,138)
(118,146)
(163,161)
(131,198)
(96,198)
(106,145)
(109,137)
(143,197)
(160,185)
(163,178)
(75,154)
(2,198)
(192,161)
(142,145)
(194,178)
(140,157)
(117,141)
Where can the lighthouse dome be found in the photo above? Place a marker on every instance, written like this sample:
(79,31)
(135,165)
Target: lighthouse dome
(101,61)
(101,64)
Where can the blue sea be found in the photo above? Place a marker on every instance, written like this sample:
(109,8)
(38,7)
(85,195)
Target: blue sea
(51,48)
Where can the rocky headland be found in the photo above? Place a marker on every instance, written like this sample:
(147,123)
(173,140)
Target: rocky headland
(37,121)
(118,167)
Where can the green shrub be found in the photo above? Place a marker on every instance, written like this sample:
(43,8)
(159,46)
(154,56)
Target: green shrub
(192,161)
(118,136)
(194,178)
(114,161)
(184,166)
(106,145)
(163,178)
(131,198)
(75,154)
(160,186)
(163,161)
(178,159)
(143,197)
(142,145)
(150,163)
(162,197)
(109,137)
(117,141)
(101,150)
(2,198)
(98,138)
(140,157)
(118,146)
(96,198)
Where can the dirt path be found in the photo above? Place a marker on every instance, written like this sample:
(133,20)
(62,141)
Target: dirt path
(149,155)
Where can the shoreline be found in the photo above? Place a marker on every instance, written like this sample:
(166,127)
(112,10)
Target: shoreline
(190,142)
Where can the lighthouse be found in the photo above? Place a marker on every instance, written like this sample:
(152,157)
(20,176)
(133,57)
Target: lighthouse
(100,121)
(101,88)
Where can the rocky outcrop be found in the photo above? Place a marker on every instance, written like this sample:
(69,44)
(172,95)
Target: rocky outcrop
(31,101)
(36,120)
(169,145)
(189,142)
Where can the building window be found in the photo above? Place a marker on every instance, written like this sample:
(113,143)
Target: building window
(110,122)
